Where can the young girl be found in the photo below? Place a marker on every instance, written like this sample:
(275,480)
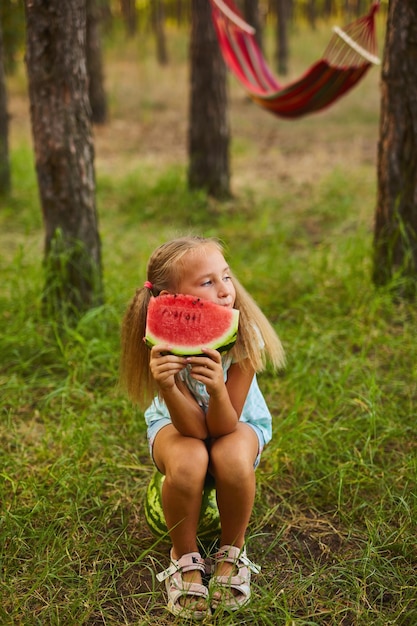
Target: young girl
(207,415)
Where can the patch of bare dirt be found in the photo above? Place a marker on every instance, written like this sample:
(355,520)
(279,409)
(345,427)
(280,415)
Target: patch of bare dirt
(148,125)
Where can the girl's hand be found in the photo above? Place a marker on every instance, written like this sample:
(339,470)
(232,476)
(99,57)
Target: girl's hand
(165,366)
(208,370)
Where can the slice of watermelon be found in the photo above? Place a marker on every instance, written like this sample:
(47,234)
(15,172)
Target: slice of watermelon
(188,324)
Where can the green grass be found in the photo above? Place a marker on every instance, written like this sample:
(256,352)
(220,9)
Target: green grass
(334,522)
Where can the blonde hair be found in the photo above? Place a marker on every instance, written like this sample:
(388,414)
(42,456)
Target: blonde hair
(257,340)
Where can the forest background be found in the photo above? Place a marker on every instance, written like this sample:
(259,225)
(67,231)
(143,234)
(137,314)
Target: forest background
(334,521)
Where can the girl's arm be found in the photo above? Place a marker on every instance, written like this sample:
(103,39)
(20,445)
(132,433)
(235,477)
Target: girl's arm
(226,398)
(186,415)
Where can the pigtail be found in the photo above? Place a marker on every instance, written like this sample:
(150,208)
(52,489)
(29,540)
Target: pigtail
(257,339)
(135,376)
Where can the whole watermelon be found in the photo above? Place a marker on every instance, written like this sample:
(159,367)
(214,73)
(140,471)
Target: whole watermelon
(209,524)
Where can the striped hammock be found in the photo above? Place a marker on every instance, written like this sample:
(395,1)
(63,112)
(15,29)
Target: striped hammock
(347,58)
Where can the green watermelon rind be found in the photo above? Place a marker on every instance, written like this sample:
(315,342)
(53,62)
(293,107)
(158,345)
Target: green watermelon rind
(178,350)
(209,522)
(221,343)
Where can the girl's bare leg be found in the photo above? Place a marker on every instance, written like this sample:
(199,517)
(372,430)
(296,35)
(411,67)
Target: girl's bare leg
(184,461)
(232,459)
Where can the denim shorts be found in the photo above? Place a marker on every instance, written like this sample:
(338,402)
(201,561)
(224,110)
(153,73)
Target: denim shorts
(157,425)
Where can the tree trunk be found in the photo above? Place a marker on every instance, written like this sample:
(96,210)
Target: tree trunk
(328,8)
(360,7)
(158,20)
(282,36)
(96,91)
(105,15)
(395,234)
(208,121)
(5,181)
(128,8)
(182,11)
(64,154)
(312,13)
(13,31)
(253,17)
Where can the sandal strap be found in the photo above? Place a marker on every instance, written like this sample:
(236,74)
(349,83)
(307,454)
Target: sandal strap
(232,554)
(240,580)
(240,583)
(188,562)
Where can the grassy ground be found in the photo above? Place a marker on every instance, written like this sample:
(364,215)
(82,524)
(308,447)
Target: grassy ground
(334,521)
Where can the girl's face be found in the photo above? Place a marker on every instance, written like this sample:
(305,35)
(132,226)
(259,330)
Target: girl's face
(206,275)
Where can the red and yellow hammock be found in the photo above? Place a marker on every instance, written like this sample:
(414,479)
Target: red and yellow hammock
(347,58)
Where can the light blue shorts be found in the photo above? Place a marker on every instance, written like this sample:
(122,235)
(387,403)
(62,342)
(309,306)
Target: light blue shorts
(157,425)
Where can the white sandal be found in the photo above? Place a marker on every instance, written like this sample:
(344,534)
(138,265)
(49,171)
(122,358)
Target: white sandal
(239,581)
(177,588)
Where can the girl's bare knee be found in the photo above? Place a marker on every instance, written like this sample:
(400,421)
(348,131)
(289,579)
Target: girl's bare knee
(186,466)
(230,462)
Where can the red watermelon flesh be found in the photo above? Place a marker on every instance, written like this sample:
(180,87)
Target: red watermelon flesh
(187,324)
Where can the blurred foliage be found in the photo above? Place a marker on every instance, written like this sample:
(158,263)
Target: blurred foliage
(12,20)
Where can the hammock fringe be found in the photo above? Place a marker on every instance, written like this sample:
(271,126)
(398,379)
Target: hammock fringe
(368,56)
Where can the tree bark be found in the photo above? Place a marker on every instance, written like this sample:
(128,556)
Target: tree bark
(13,27)
(64,154)
(158,20)
(96,90)
(282,36)
(253,17)
(128,8)
(395,233)
(5,179)
(312,13)
(328,8)
(209,133)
